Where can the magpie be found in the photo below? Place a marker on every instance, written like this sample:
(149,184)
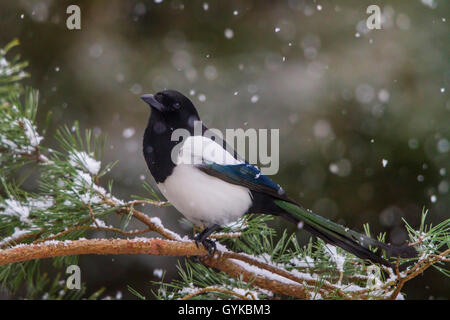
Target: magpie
(219,187)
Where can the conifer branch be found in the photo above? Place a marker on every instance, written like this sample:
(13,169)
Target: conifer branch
(286,283)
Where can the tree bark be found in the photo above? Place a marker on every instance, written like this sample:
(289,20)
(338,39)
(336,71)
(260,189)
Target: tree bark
(158,247)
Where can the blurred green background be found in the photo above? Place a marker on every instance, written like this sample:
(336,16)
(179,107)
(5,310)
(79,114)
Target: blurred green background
(343,97)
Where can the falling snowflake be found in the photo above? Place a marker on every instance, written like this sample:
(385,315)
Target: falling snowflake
(128,133)
(229,34)
(201,97)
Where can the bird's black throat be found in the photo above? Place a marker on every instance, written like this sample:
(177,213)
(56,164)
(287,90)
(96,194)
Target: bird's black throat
(157,147)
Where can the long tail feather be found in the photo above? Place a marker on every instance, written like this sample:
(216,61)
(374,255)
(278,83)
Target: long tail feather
(347,239)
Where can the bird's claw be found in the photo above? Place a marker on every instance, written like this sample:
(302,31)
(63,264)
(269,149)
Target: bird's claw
(209,244)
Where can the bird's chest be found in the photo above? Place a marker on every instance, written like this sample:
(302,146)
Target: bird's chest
(203,199)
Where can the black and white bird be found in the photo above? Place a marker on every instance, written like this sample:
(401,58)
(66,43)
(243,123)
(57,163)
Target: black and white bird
(212,187)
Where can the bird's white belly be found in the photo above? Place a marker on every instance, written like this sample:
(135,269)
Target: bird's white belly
(203,199)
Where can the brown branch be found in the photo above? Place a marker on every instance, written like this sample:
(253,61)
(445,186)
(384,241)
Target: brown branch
(51,249)
(37,234)
(233,269)
(84,227)
(92,214)
(284,273)
(258,273)
(420,267)
(142,217)
(19,239)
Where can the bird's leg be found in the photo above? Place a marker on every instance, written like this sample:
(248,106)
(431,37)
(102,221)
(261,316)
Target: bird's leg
(202,238)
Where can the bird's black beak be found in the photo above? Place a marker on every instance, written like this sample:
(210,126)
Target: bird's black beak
(150,99)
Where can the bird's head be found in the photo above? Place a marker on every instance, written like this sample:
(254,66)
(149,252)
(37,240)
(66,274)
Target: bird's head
(172,107)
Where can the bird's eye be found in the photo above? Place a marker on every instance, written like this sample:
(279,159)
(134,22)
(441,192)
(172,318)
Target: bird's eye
(176,105)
